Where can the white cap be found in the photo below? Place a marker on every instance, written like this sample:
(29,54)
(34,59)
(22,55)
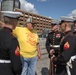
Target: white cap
(30,20)
(74,18)
(68,19)
(54,22)
(11,14)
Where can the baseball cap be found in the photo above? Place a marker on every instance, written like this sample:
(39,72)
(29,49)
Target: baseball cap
(30,20)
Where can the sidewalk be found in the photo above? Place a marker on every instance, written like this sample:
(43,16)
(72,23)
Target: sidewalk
(43,64)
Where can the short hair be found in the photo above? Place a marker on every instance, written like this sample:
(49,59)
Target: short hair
(9,20)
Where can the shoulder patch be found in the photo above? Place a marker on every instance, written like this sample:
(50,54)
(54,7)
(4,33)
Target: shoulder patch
(17,51)
(66,46)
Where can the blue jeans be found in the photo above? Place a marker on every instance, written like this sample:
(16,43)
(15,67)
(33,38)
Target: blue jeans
(29,65)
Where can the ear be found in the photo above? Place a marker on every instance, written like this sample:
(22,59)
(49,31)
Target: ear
(25,25)
(65,25)
(14,21)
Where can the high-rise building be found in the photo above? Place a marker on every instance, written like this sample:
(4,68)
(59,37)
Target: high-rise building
(43,23)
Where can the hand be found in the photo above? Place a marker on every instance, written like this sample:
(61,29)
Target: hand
(53,58)
(39,55)
(52,52)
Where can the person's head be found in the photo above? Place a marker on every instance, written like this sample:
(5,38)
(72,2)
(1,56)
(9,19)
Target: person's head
(75,24)
(66,23)
(30,24)
(10,18)
(54,26)
(62,25)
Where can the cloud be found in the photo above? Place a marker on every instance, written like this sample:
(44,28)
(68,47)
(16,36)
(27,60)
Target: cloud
(50,17)
(42,0)
(73,13)
(28,6)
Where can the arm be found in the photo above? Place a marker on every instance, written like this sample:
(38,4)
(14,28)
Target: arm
(48,48)
(68,50)
(48,44)
(14,54)
(38,50)
(15,32)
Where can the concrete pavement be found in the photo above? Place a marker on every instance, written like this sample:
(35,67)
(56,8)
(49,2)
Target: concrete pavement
(43,64)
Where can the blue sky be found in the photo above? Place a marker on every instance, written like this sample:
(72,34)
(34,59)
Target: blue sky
(54,8)
(50,8)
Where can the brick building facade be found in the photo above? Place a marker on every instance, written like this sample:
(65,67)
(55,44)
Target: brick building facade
(42,22)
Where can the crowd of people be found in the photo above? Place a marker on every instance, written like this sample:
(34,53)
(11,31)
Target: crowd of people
(61,47)
(19,46)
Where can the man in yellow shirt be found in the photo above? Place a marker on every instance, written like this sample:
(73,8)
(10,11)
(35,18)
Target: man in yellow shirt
(29,47)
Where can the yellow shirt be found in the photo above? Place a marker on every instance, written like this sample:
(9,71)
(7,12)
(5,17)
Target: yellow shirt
(27,40)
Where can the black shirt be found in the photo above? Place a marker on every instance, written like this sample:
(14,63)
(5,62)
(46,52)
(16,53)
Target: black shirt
(68,47)
(53,38)
(9,49)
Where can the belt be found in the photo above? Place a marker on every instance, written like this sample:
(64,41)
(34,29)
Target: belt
(55,46)
(5,61)
(69,64)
